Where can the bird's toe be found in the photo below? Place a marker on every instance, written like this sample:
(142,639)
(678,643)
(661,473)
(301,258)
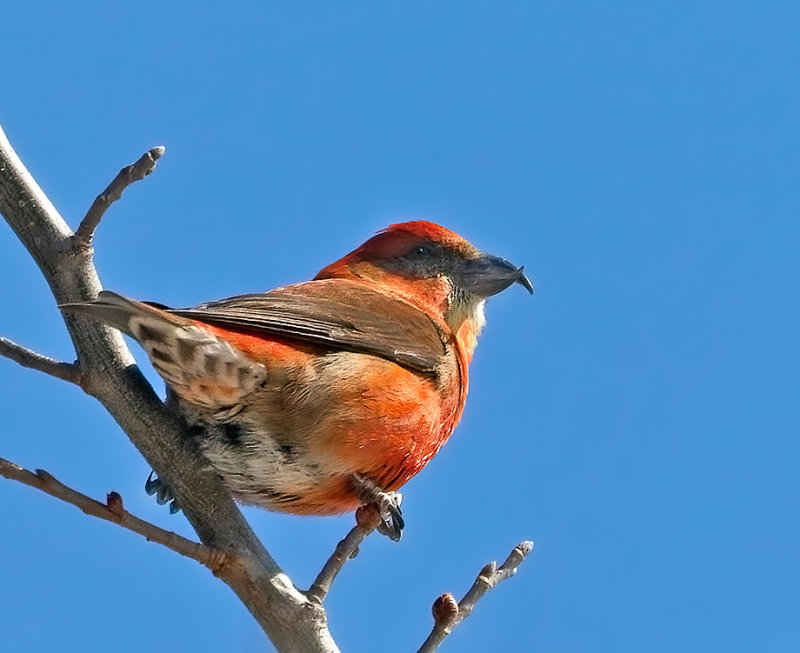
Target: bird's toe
(155,486)
(388,503)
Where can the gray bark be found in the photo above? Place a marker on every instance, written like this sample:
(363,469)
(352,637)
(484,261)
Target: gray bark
(108,373)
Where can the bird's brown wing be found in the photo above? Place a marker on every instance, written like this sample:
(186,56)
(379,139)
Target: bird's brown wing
(336,313)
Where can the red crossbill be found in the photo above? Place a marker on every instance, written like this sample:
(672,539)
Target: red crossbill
(320,396)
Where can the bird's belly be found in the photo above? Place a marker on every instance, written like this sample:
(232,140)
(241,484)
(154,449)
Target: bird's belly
(260,470)
(264,470)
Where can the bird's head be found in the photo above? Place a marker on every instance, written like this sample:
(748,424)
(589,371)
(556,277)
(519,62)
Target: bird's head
(435,269)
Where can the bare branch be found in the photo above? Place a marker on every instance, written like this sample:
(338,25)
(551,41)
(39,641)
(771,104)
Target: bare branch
(27,358)
(447,614)
(368,518)
(292,621)
(113,511)
(128,175)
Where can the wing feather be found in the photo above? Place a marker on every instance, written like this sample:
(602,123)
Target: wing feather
(336,313)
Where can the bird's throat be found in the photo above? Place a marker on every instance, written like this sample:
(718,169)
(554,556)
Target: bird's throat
(466,317)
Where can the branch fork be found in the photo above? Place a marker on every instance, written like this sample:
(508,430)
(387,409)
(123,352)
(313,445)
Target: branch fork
(70,372)
(114,511)
(295,621)
(125,177)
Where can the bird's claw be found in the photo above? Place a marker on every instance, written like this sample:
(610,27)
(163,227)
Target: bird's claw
(388,504)
(392,522)
(155,486)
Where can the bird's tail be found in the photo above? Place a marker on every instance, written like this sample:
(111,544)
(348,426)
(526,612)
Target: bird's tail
(127,314)
(202,367)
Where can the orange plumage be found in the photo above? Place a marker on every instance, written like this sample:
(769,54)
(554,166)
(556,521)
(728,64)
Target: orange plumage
(317,397)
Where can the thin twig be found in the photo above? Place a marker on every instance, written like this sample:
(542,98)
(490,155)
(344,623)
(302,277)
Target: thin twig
(128,175)
(368,518)
(28,358)
(447,614)
(113,511)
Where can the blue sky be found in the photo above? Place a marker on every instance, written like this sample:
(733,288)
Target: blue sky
(637,417)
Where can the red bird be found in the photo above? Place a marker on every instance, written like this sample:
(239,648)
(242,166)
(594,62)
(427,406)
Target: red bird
(321,396)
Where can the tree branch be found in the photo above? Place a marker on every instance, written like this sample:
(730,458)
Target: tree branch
(27,358)
(109,373)
(447,613)
(125,177)
(368,518)
(113,511)
(293,620)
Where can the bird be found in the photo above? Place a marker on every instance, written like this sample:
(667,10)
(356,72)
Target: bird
(322,396)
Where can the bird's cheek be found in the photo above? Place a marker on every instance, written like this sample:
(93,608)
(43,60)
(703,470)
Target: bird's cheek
(432,294)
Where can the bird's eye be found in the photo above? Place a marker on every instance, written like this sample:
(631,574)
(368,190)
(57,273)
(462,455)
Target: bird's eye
(421,255)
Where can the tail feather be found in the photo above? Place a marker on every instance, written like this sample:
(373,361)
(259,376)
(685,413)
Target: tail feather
(117,311)
(201,367)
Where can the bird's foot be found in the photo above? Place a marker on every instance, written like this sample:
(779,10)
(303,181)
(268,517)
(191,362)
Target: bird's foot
(388,504)
(163,493)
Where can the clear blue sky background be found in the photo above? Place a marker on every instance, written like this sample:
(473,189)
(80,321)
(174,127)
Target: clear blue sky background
(638,417)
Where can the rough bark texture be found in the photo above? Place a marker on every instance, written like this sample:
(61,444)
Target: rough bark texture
(108,373)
